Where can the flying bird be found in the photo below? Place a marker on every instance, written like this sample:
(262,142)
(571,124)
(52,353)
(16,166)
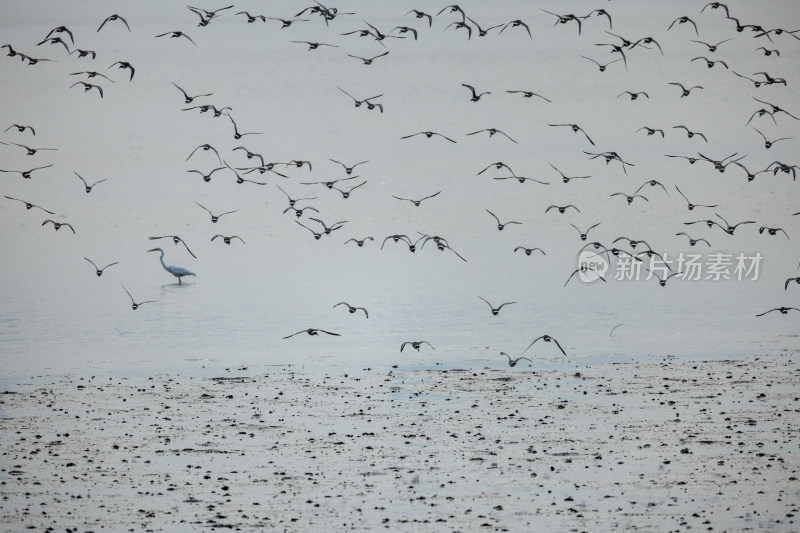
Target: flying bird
(176,34)
(562,208)
(584,234)
(685,91)
(782,310)
(415,344)
(711,47)
(57,225)
(601,66)
(692,240)
(86,186)
(634,95)
(112,18)
(251,18)
(314,45)
(428,134)
(492,131)
(189,99)
(215,218)
(690,205)
(420,14)
(368,60)
(206,147)
(575,129)
(125,64)
(515,24)
(767,143)
(709,62)
(21,128)
(495,310)
(32,151)
(27,173)
(99,271)
(546,338)
(176,240)
(88,87)
(29,205)
(684,20)
(351,309)
(226,239)
(475,95)
(772,231)
(513,362)
(349,170)
(134,304)
(501,225)
(529,94)
(690,133)
(358,242)
(528,251)
(651,131)
(417,202)
(312,332)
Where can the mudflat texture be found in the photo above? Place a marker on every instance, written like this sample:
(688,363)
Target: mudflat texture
(662,446)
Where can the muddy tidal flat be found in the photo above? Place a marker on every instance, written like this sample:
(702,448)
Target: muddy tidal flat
(671,445)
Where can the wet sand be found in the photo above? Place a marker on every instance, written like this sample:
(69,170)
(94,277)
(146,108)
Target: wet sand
(670,445)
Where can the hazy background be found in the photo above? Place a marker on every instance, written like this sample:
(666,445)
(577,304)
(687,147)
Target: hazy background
(56,315)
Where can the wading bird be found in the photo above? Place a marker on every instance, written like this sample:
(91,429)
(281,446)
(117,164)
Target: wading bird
(176,271)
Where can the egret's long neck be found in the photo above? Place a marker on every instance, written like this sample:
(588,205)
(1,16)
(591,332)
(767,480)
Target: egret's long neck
(161,258)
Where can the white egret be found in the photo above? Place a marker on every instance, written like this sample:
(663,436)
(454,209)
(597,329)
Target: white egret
(176,271)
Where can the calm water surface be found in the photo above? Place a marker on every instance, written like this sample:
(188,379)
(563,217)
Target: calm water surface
(57,316)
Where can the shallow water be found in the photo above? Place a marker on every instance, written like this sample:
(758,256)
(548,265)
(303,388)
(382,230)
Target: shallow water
(57,316)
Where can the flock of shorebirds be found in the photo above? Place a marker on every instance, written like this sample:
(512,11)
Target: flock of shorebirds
(620,50)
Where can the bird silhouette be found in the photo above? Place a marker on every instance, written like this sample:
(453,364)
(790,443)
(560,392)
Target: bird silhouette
(215,218)
(415,344)
(495,310)
(134,304)
(57,225)
(86,186)
(112,18)
(417,202)
(501,225)
(492,131)
(98,270)
(513,362)
(352,309)
(175,239)
(546,338)
(227,239)
(29,205)
(312,332)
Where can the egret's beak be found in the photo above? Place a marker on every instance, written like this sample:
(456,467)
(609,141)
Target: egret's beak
(153,250)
